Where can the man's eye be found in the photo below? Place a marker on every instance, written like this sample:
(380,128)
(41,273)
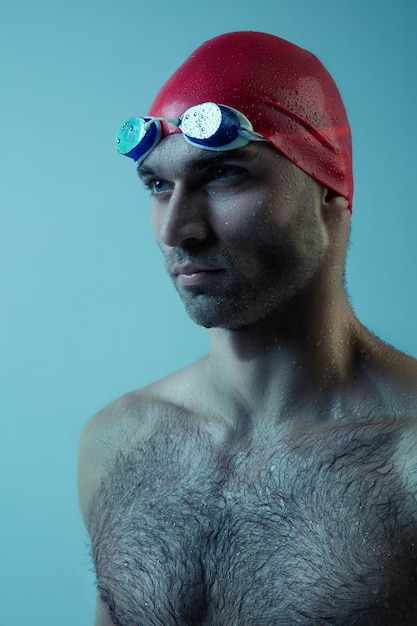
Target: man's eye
(225,171)
(158,186)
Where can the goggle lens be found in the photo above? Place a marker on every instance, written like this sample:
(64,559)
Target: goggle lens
(207,125)
(210,125)
(137,136)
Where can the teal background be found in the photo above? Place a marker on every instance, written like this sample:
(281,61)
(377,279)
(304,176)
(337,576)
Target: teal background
(86,311)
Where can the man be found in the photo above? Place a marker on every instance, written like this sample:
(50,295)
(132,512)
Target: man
(272,482)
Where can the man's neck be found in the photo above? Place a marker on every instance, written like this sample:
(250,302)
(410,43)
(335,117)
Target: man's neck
(281,366)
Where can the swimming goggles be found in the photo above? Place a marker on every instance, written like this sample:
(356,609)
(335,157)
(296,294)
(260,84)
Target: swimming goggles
(208,125)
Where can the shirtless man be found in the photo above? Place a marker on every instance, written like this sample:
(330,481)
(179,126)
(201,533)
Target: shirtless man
(273,482)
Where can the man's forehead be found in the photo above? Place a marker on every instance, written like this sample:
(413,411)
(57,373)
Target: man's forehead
(174,153)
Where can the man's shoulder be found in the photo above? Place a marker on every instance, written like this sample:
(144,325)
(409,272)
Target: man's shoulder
(135,414)
(398,363)
(104,436)
(124,416)
(127,422)
(391,373)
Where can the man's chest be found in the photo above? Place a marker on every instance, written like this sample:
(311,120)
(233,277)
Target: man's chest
(317,530)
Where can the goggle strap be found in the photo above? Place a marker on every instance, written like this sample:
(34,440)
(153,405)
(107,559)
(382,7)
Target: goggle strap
(176,121)
(250,135)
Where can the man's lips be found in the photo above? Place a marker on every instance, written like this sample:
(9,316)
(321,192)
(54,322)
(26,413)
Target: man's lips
(189,274)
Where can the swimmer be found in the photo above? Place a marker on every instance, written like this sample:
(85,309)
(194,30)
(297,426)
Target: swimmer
(273,482)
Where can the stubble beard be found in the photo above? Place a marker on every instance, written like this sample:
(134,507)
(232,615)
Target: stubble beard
(272,275)
(241,300)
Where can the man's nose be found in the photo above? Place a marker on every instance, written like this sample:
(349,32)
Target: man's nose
(183,220)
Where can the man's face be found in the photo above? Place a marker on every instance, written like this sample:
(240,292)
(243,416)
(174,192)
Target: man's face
(240,231)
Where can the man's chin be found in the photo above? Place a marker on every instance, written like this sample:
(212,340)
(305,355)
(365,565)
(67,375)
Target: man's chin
(218,318)
(209,319)
(231,312)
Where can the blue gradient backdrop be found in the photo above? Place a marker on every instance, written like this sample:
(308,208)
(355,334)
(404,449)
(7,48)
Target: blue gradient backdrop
(86,311)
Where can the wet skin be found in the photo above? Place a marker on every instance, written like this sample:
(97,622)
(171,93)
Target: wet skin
(274,481)
(233,228)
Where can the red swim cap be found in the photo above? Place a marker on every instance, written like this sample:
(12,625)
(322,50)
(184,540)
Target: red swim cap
(286,93)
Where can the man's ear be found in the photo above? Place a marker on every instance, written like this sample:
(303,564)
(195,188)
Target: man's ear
(333,199)
(333,205)
(336,220)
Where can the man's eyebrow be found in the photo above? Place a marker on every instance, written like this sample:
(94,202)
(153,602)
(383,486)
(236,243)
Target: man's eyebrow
(144,172)
(207,158)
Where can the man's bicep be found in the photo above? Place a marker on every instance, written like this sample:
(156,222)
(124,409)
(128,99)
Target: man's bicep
(88,474)
(103,437)
(102,615)
(93,453)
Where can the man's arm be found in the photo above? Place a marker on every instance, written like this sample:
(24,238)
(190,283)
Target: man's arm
(98,443)
(102,615)
(121,424)
(93,450)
